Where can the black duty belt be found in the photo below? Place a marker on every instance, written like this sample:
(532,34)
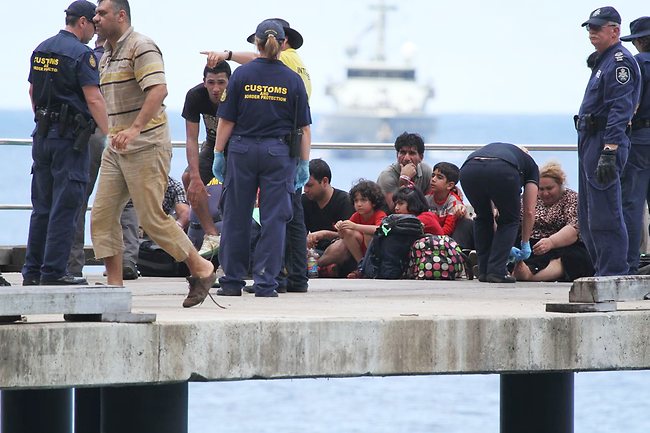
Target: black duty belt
(640,124)
(591,124)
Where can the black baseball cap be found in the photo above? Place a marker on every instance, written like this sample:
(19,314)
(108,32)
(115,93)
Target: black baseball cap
(81,8)
(602,16)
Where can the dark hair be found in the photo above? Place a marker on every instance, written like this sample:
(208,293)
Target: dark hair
(644,43)
(592,59)
(415,201)
(319,169)
(119,5)
(371,191)
(222,66)
(71,20)
(451,171)
(410,139)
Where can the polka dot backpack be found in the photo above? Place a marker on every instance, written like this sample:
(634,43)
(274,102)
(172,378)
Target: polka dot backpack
(435,257)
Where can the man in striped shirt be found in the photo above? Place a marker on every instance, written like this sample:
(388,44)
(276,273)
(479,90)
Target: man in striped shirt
(137,161)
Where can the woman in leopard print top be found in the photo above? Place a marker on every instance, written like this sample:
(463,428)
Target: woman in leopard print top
(558,252)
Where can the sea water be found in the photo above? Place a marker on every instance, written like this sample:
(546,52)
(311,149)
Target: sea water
(604,401)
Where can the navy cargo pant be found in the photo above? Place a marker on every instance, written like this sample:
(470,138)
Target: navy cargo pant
(486,182)
(254,163)
(635,188)
(295,252)
(600,208)
(59,178)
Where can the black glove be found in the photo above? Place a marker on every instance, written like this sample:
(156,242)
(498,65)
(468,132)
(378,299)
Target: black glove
(606,169)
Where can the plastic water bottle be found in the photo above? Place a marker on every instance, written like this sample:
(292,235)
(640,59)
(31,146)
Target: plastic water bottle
(312,263)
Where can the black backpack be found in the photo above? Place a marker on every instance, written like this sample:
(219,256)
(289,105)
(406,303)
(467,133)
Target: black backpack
(153,261)
(387,255)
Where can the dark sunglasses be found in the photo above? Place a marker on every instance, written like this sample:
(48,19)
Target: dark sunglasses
(597,28)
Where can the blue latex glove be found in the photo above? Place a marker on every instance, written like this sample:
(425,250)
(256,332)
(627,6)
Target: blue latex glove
(302,174)
(219,166)
(524,252)
(514,253)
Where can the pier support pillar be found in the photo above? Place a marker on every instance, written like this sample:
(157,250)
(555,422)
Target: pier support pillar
(145,409)
(537,403)
(38,410)
(87,410)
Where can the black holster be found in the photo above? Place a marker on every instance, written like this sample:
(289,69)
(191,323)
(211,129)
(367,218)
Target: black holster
(83,129)
(42,122)
(294,140)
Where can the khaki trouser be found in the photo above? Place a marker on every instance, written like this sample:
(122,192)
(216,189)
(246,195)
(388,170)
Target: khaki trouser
(142,176)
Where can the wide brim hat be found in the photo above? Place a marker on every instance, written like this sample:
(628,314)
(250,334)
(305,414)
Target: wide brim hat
(295,38)
(639,28)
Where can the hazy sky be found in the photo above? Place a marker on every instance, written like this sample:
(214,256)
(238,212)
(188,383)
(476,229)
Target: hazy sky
(500,56)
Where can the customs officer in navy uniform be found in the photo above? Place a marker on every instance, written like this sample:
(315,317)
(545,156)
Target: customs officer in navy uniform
(635,183)
(263,104)
(494,176)
(64,89)
(607,108)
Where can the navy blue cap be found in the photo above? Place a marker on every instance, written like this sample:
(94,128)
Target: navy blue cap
(81,8)
(602,16)
(295,38)
(269,27)
(639,28)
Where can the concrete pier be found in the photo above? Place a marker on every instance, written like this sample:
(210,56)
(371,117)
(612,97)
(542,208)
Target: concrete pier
(339,328)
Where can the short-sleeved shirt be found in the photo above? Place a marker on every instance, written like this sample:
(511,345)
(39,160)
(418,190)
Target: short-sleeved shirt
(339,208)
(174,194)
(291,58)
(388,179)
(261,100)
(134,65)
(373,220)
(197,105)
(523,162)
(60,67)
(551,219)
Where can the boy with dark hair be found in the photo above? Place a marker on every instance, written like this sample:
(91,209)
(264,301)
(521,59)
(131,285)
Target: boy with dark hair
(442,199)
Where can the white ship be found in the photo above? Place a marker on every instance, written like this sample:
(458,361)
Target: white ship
(378,101)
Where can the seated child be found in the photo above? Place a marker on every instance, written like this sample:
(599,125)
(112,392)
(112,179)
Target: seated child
(444,200)
(410,200)
(356,233)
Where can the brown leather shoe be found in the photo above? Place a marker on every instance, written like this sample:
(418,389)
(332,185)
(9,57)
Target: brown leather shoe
(199,288)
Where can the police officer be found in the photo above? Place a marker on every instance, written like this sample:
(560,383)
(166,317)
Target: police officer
(494,175)
(603,145)
(64,89)
(635,183)
(256,114)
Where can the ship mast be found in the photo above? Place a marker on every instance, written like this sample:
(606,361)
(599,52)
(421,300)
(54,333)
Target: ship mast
(382,7)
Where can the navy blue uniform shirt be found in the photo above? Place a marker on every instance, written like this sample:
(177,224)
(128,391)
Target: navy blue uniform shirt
(613,92)
(60,67)
(261,97)
(523,162)
(642,136)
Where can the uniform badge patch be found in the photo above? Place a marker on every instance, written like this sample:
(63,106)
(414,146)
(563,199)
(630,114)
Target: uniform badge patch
(619,56)
(622,74)
(92,61)
(224,95)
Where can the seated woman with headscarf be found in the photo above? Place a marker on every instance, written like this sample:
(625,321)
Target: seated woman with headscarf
(558,252)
